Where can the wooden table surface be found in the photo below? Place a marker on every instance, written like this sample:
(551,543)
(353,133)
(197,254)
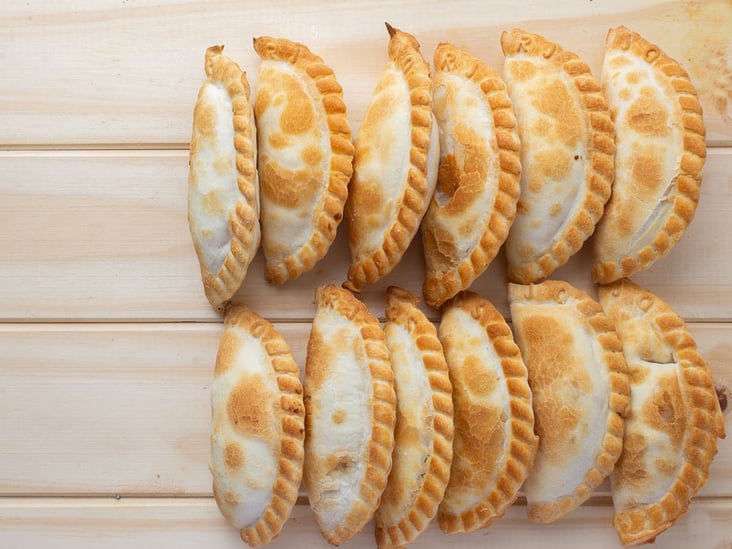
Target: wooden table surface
(107,342)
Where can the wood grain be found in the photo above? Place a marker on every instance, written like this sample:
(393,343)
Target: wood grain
(108,73)
(103,236)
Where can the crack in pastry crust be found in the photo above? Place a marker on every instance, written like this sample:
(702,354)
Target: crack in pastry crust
(288,409)
(367,264)
(594,140)
(242,222)
(405,513)
(655,338)
(472,382)
(620,246)
(537,302)
(325,205)
(490,170)
(374,452)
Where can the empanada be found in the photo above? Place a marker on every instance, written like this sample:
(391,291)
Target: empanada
(424,429)
(660,142)
(257,428)
(675,419)
(395,165)
(495,444)
(222,183)
(579,382)
(474,203)
(567,147)
(350,413)
(305,156)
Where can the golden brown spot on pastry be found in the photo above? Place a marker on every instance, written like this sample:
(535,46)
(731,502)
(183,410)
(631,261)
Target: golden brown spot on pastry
(631,467)
(205,119)
(404,433)
(478,381)
(370,199)
(647,116)
(338,417)
(449,175)
(298,115)
(638,373)
(233,456)
(262,101)
(212,203)
(228,347)
(522,70)
(555,209)
(619,62)
(287,188)
(647,173)
(526,251)
(231,498)
(249,406)
(625,94)
(666,466)
(279,140)
(665,410)
(224,164)
(321,358)
(556,102)
(541,127)
(312,155)
(552,164)
(633,77)
(479,439)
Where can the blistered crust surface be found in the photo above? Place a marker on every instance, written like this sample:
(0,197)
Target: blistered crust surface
(395,165)
(674,422)
(567,147)
(579,383)
(494,445)
(305,156)
(350,414)
(474,203)
(257,427)
(661,151)
(424,428)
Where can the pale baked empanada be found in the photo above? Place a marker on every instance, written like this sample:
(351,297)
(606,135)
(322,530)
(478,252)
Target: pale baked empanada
(424,429)
(660,142)
(305,156)
(495,444)
(222,183)
(474,203)
(350,413)
(579,382)
(395,165)
(567,147)
(257,428)
(671,433)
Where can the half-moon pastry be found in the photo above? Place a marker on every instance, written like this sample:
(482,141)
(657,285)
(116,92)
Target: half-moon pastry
(305,156)
(675,419)
(660,153)
(424,430)
(257,428)
(395,164)
(474,202)
(579,383)
(495,444)
(567,147)
(350,412)
(222,183)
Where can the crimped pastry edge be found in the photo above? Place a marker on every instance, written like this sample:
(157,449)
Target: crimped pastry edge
(243,223)
(524,444)
(556,291)
(439,286)
(325,223)
(600,148)
(688,181)
(292,411)
(402,310)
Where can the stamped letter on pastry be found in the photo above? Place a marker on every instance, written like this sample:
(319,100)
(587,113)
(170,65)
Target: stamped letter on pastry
(305,156)
(257,427)
(567,147)
(222,187)
(474,203)
(660,141)
(675,420)
(579,382)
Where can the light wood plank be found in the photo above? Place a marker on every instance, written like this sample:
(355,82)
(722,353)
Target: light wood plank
(92,72)
(104,236)
(124,409)
(194,523)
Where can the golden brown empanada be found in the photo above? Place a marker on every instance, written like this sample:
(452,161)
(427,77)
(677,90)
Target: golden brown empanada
(567,147)
(474,203)
(660,142)
(671,432)
(495,443)
(305,156)
(222,186)
(424,430)
(395,165)
(579,382)
(350,413)
(257,427)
